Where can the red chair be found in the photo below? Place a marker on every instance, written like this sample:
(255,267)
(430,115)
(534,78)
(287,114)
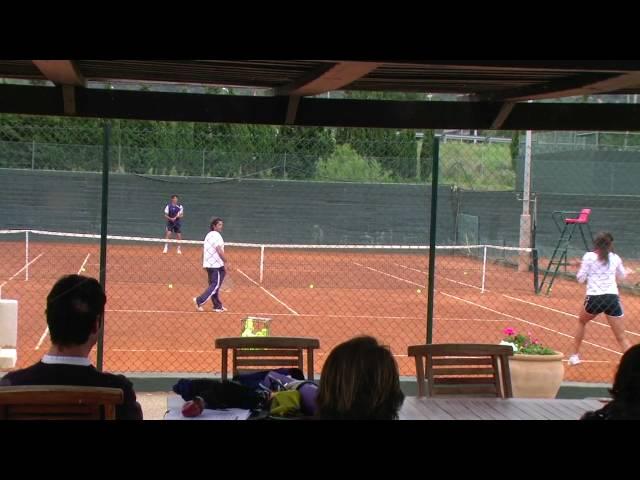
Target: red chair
(566,226)
(583,217)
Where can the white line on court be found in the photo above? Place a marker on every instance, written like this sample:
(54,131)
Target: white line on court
(269,314)
(444,278)
(589,361)
(500,313)
(527,322)
(268,292)
(312,315)
(84,263)
(19,271)
(389,275)
(46,330)
(144,350)
(564,313)
(157,350)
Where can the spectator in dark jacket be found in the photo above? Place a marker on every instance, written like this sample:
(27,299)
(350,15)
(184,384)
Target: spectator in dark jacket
(75,311)
(625,404)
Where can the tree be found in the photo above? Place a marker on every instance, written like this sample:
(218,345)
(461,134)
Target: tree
(426,156)
(394,149)
(347,165)
(300,149)
(515,149)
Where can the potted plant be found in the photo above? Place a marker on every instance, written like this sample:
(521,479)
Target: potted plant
(536,370)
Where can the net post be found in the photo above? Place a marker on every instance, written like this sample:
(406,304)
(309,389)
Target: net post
(432,238)
(484,267)
(26,256)
(536,284)
(525,218)
(103,232)
(261,262)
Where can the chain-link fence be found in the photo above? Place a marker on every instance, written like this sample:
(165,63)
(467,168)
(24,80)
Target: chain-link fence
(249,151)
(327,234)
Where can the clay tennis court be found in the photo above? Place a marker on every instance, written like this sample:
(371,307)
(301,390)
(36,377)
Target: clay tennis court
(152,326)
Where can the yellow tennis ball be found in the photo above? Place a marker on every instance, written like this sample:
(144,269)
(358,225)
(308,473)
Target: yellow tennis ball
(418,290)
(465,273)
(171,285)
(311,286)
(83,270)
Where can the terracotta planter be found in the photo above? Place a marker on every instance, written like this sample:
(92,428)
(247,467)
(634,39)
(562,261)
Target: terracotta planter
(536,376)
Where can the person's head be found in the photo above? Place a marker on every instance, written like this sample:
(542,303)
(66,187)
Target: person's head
(603,245)
(75,308)
(360,380)
(174,199)
(626,386)
(217,224)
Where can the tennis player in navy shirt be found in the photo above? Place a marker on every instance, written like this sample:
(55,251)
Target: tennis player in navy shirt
(173,213)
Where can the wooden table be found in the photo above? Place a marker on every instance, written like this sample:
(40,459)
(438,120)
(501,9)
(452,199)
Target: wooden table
(422,408)
(174,411)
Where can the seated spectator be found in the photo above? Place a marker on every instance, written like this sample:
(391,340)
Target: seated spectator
(75,311)
(625,392)
(360,381)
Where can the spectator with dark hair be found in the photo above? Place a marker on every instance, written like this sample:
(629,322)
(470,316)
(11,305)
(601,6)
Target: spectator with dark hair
(625,392)
(75,312)
(360,381)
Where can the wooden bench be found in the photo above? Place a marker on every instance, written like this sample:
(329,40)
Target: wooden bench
(253,354)
(59,402)
(462,369)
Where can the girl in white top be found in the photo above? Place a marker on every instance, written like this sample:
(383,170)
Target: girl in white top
(600,269)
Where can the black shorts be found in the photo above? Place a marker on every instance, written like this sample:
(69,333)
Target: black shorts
(174,227)
(608,304)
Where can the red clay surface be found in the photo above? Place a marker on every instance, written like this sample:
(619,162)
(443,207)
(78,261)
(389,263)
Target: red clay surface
(151,327)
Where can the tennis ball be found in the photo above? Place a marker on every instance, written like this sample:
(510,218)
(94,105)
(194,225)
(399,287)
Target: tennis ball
(171,285)
(311,286)
(418,290)
(83,270)
(465,273)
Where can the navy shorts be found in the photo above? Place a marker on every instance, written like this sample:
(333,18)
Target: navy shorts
(608,304)
(174,227)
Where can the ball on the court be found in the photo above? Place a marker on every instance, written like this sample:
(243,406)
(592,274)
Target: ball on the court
(465,273)
(83,269)
(418,290)
(311,286)
(171,285)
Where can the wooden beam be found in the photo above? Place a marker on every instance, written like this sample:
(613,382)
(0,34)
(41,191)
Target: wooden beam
(69,99)
(187,107)
(328,78)
(61,72)
(504,112)
(576,66)
(591,84)
(292,109)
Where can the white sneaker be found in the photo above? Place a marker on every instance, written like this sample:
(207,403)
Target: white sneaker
(198,307)
(574,359)
(166,249)
(220,310)
(179,251)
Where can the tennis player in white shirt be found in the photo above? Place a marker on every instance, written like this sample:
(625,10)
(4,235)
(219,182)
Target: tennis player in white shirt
(599,269)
